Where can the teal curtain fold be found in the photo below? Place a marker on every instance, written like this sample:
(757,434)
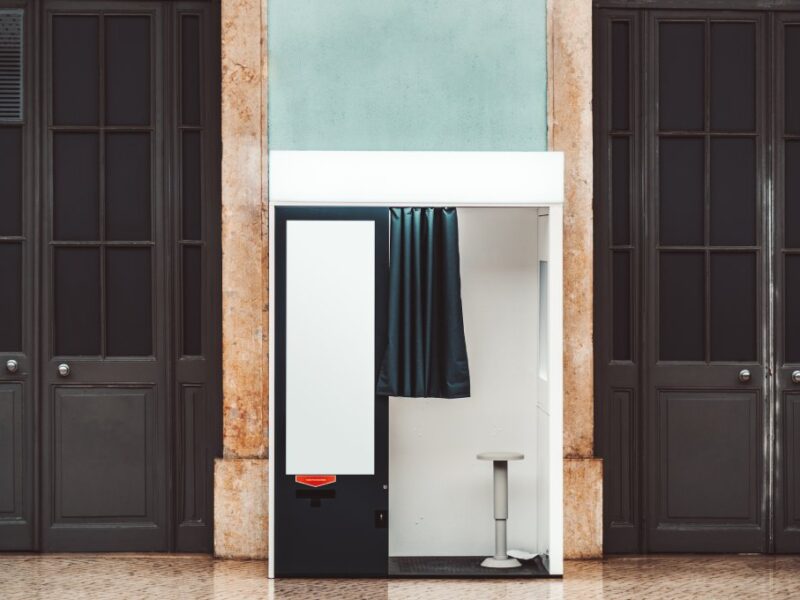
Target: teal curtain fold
(426,355)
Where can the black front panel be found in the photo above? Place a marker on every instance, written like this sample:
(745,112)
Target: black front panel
(340,529)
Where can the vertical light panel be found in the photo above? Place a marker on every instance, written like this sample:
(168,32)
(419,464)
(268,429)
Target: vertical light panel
(330,347)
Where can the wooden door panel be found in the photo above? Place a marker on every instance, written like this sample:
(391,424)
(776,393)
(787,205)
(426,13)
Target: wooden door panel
(788,520)
(106,463)
(710,456)
(14,514)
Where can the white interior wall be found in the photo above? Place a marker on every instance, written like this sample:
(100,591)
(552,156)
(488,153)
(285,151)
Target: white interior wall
(440,495)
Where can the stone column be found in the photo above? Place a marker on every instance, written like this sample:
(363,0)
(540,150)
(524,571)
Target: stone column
(240,477)
(569,54)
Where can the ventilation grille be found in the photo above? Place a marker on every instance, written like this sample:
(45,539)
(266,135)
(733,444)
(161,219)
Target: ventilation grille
(10,65)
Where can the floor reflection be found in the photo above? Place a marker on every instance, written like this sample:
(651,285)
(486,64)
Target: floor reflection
(186,576)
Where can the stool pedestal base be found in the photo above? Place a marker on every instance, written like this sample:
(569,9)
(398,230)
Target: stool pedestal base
(500,563)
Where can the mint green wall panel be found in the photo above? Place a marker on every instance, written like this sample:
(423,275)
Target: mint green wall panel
(407,75)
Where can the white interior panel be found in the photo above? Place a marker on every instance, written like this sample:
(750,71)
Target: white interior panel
(330,347)
(440,496)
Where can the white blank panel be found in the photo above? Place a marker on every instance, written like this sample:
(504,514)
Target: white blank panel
(330,347)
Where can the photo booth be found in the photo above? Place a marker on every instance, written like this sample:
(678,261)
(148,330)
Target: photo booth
(364,484)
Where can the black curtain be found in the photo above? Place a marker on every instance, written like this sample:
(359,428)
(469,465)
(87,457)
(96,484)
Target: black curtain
(426,356)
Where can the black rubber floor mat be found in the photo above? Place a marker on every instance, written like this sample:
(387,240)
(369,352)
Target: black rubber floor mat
(460,566)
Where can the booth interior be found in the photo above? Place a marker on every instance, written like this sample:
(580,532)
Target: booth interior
(369,485)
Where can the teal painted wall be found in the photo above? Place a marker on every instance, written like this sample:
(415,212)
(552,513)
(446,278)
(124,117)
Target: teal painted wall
(407,75)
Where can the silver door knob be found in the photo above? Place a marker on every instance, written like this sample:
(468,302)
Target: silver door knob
(64,370)
(12,366)
(744,375)
(795,376)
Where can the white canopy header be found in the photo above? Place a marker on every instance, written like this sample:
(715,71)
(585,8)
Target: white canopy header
(416,178)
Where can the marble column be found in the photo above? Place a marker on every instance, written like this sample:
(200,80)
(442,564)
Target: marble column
(240,477)
(569,50)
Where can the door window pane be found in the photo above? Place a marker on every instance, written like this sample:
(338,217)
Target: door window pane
(75,186)
(621,322)
(733,76)
(620,190)
(733,192)
(620,75)
(681,78)
(10,180)
(791,53)
(791,221)
(129,302)
(791,309)
(76,274)
(191,187)
(11,297)
(681,191)
(128,186)
(75,70)
(733,306)
(192,301)
(190,70)
(127,72)
(681,298)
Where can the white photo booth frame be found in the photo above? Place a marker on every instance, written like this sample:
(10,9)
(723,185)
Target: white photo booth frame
(461,180)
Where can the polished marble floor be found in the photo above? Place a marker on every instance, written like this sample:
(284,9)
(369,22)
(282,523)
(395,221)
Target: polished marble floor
(64,577)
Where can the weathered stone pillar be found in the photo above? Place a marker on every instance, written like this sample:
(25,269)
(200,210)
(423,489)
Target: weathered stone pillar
(569,50)
(240,477)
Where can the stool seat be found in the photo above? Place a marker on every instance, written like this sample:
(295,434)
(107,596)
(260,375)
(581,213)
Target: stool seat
(501,456)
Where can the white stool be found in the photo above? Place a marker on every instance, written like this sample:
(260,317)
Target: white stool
(500,560)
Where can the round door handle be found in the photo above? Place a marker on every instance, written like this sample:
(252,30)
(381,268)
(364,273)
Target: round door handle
(795,376)
(744,375)
(64,370)
(12,366)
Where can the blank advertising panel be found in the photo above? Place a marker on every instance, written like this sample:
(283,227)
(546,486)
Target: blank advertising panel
(330,347)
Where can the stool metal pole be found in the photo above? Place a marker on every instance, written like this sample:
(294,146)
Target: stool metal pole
(501,559)
(500,509)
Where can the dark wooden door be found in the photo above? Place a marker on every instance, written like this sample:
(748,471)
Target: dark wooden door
(125,213)
(341,529)
(18,360)
(104,377)
(705,385)
(786,110)
(694,343)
